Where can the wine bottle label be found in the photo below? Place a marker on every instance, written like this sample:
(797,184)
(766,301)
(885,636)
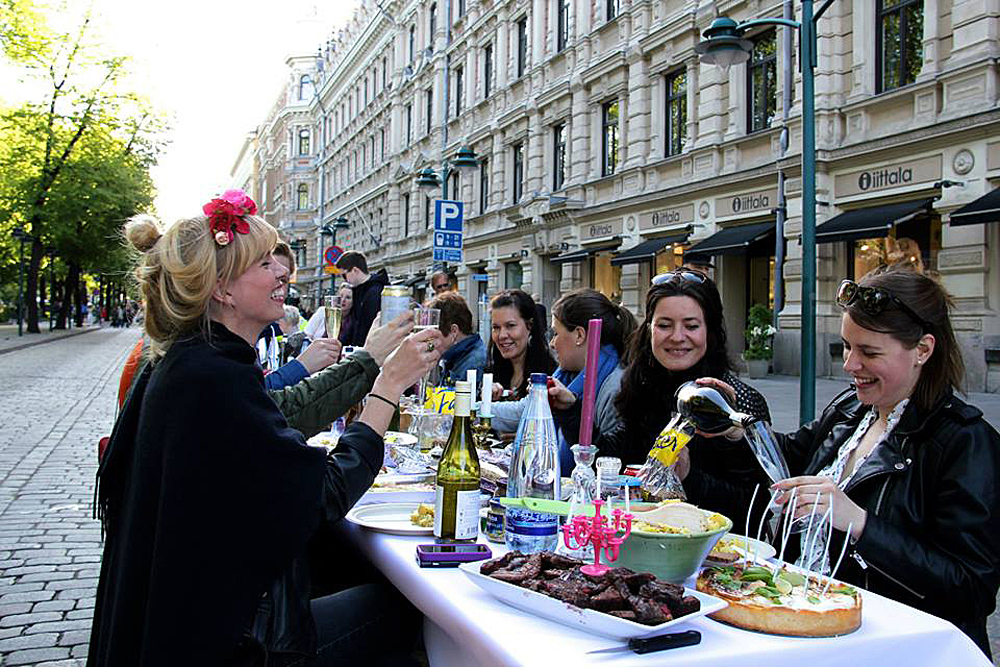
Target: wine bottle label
(466,514)
(668,445)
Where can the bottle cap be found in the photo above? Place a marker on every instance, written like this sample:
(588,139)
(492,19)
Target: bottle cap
(539,378)
(463,387)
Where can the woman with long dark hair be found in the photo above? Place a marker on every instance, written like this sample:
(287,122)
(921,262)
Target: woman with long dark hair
(909,471)
(683,338)
(517,344)
(571,315)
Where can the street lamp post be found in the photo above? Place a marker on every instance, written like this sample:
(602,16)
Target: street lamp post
(21,237)
(724,45)
(429,180)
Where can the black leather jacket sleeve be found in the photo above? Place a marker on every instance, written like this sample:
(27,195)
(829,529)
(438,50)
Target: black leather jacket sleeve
(952,560)
(350,470)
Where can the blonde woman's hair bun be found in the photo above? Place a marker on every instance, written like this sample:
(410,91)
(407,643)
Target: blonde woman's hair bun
(142,232)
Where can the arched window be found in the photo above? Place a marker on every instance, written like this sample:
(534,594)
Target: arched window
(302,201)
(305,87)
(303,142)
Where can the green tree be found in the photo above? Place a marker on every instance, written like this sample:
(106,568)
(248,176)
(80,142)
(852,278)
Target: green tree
(57,186)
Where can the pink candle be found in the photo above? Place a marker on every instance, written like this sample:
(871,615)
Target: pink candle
(590,381)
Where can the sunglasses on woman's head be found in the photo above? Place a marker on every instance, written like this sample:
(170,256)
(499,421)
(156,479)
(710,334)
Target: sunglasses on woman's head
(873,300)
(679,277)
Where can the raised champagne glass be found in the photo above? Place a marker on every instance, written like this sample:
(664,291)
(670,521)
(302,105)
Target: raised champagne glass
(333,315)
(425,318)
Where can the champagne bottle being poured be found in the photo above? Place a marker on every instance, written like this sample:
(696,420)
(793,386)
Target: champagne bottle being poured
(704,408)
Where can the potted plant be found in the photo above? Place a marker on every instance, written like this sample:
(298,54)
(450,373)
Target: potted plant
(758,334)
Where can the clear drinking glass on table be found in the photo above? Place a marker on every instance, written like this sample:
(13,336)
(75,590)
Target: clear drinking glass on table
(334,314)
(425,318)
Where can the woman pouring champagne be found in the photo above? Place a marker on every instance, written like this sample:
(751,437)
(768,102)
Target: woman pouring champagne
(907,470)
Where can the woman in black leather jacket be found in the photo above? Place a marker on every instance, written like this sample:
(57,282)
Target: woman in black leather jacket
(208,497)
(912,471)
(684,338)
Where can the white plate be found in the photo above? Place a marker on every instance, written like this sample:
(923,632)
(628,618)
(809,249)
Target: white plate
(763,550)
(588,620)
(392,518)
(398,438)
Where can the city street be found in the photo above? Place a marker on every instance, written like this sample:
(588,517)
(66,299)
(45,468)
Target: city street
(59,399)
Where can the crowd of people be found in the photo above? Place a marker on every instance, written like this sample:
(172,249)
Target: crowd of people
(212,503)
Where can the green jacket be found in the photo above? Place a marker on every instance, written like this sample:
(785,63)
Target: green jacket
(312,404)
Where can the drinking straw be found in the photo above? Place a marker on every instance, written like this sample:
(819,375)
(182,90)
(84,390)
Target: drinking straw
(486,406)
(590,381)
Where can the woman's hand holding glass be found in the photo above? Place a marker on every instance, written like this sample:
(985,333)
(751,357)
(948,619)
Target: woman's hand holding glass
(321,353)
(383,340)
(821,493)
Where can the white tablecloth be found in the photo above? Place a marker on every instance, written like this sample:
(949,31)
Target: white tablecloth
(466,627)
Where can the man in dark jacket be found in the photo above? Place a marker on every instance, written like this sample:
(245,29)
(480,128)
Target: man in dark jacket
(367,295)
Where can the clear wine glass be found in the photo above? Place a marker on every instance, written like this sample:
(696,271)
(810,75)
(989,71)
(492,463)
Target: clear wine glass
(425,318)
(333,315)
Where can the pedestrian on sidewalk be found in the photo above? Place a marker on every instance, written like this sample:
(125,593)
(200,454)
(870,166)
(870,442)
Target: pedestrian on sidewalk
(207,497)
(909,472)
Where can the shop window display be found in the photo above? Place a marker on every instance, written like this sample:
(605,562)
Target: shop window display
(605,277)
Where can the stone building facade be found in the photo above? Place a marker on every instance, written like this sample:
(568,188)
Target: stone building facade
(607,150)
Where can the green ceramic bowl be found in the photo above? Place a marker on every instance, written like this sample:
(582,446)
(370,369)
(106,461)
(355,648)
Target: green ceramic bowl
(671,557)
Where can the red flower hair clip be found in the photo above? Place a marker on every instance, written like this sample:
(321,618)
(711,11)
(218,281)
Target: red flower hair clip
(225,215)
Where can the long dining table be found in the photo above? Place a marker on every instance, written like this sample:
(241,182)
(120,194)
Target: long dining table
(465,626)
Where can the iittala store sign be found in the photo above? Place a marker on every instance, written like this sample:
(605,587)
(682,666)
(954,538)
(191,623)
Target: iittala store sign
(894,176)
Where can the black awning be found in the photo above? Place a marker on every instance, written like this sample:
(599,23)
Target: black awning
(869,223)
(734,240)
(982,210)
(584,253)
(647,249)
(413,280)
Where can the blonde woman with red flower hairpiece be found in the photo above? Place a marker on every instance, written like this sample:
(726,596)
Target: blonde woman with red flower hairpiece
(207,497)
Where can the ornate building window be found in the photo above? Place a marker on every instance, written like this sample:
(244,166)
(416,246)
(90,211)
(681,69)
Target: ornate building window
(487,70)
(302,197)
(899,43)
(609,138)
(303,142)
(518,172)
(558,156)
(676,112)
(484,185)
(762,82)
(522,46)
(562,24)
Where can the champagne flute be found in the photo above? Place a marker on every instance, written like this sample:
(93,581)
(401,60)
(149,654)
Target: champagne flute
(333,315)
(425,318)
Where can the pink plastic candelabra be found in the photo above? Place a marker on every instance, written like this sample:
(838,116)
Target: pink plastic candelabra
(584,530)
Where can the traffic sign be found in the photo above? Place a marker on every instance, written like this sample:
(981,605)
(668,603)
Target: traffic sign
(448,218)
(332,254)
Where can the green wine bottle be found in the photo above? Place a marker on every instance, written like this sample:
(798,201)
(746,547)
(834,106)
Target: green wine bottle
(456,506)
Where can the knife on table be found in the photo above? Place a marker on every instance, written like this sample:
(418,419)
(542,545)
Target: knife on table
(658,643)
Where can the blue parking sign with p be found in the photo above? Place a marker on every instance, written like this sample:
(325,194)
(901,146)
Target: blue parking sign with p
(448,230)
(448,215)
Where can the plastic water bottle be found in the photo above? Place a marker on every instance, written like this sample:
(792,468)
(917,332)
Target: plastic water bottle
(534,473)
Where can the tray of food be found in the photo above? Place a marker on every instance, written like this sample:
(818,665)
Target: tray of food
(782,600)
(620,604)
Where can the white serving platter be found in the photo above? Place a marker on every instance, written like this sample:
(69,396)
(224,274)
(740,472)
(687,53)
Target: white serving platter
(588,620)
(392,518)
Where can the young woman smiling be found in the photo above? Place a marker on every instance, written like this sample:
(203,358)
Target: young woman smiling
(683,338)
(207,497)
(570,317)
(517,345)
(911,471)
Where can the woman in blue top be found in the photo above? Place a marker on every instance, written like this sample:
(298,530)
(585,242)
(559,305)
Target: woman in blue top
(570,316)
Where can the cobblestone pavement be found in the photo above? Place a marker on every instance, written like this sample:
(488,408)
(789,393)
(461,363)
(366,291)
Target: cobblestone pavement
(58,399)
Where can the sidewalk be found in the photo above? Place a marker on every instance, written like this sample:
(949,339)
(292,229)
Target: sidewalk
(782,394)
(10,341)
